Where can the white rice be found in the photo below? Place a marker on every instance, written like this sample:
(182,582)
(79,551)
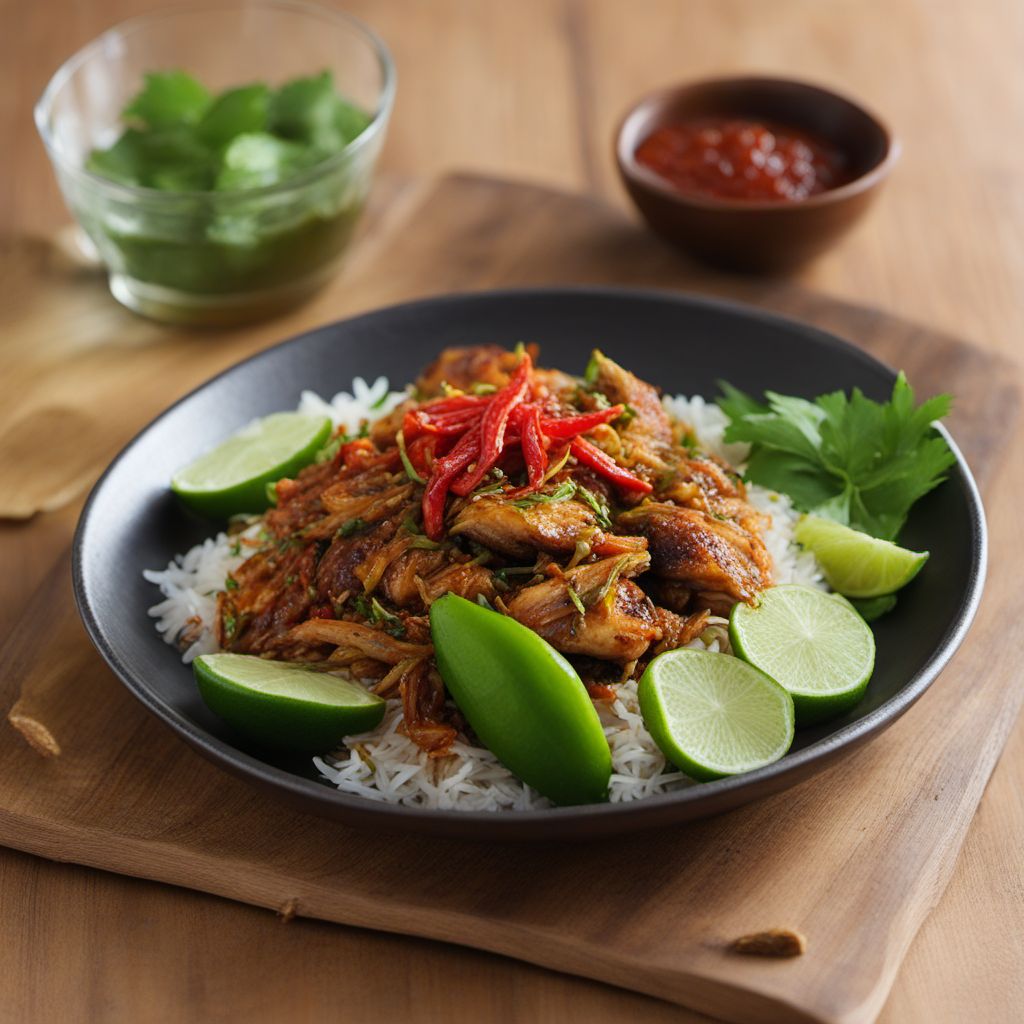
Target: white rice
(386,766)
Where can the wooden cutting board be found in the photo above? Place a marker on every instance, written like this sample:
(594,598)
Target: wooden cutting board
(854,858)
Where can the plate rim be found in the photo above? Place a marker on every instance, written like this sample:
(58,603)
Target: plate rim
(328,799)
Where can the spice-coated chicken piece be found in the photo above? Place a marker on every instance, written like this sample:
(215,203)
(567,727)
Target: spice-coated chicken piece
(618,623)
(647,437)
(705,552)
(520,530)
(463,367)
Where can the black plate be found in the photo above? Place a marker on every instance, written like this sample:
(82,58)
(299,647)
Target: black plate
(132,522)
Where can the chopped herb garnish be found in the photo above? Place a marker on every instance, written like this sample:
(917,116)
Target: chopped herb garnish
(575,598)
(423,543)
(331,448)
(230,583)
(229,626)
(271,492)
(493,488)
(364,429)
(482,388)
(563,492)
(352,526)
(600,509)
(289,580)
(627,416)
(410,469)
(362,606)
(236,549)
(518,570)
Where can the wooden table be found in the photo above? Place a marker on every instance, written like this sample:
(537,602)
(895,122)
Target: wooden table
(534,89)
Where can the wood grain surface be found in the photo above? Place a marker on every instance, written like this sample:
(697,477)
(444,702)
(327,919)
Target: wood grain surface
(125,795)
(534,89)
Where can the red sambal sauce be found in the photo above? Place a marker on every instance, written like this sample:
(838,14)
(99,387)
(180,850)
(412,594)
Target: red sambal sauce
(730,158)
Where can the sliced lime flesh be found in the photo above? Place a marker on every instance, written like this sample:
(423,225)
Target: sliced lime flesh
(233,477)
(856,564)
(814,645)
(713,715)
(285,706)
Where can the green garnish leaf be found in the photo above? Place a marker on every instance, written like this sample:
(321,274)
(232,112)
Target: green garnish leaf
(563,492)
(230,583)
(240,111)
(575,598)
(423,543)
(410,469)
(600,509)
(171,158)
(309,110)
(256,160)
(860,462)
(168,98)
(351,527)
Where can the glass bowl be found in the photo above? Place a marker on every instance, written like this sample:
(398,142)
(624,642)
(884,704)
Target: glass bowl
(208,257)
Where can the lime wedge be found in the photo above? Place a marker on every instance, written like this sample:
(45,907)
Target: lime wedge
(712,715)
(815,646)
(285,706)
(233,477)
(856,564)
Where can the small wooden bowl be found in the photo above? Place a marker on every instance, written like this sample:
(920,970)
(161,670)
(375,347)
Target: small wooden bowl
(757,235)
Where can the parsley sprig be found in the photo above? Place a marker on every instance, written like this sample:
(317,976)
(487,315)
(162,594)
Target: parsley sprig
(860,462)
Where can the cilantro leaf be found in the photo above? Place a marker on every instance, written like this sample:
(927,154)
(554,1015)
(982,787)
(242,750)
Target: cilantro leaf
(235,112)
(257,159)
(860,462)
(309,110)
(168,98)
(168,158)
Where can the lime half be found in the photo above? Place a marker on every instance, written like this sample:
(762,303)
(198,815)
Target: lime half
(233,477)
(285,706)
(712,715)
(815,646)
(856,564)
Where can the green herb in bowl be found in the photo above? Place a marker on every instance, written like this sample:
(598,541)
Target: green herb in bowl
(209,206)
(182,138)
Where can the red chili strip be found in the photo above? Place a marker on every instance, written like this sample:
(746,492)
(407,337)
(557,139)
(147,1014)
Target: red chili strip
(455,403)
(493,424)
(570,426)
(534,453)
(592,456)
(417,422)
(445,470)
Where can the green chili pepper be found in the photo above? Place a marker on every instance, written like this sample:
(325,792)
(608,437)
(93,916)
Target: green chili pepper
(523,700)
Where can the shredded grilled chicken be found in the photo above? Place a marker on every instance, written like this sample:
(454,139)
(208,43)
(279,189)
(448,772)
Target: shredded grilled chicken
(344,573)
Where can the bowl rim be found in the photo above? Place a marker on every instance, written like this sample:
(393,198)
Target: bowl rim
(636,173)
(517,825)
(143,193)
